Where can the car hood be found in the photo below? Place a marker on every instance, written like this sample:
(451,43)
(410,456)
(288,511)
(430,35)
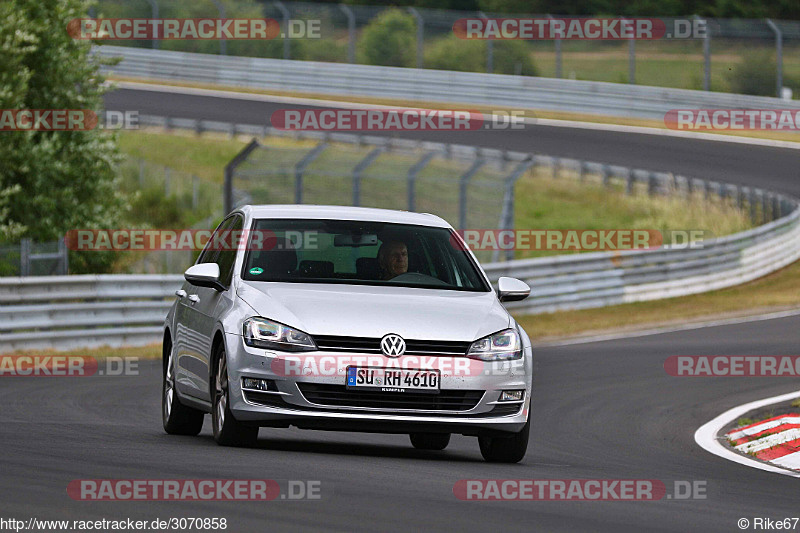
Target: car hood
(369,311)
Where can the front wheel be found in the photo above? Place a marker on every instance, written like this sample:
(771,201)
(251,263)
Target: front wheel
(177,418)
(227,430)
(506,449)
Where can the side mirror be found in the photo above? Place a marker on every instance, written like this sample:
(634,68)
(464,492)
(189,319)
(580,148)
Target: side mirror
(204,275)
(512,289)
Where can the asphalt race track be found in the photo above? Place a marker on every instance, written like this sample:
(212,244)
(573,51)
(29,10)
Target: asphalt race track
(605,410)
(776,169)
(601,411)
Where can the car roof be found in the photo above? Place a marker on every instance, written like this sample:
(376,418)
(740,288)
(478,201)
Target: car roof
(338,212)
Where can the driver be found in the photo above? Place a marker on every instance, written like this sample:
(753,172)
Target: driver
(393,259)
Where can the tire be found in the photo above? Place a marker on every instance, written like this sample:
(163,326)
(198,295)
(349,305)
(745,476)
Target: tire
(506,449)
(227,430)
(430,441)
(177,418)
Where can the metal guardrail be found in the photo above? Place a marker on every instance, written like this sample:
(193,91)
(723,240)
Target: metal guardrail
(492,90)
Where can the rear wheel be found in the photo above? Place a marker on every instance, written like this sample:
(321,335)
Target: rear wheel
(176,417)
(227,430)
(430,441)
(509,449)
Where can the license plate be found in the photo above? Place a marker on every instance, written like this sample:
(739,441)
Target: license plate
(393,379)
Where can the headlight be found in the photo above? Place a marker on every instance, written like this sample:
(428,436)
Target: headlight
(500,346)
(263,333)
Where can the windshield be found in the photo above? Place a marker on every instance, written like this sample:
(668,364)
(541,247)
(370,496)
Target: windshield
(359,253)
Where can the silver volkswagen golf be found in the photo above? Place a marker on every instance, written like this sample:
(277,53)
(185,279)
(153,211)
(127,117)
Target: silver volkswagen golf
(349,319)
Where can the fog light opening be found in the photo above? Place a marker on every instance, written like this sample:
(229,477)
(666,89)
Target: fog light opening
(265,385)
(512,395)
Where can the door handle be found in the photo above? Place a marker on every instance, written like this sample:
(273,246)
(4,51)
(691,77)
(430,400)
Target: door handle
(194,298)
(180,293)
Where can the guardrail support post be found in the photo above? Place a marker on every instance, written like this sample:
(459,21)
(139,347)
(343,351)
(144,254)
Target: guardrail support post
(63,261)
(420,34)
(413,172)
(463,183)
(779,55)
(287,51)
(359,169)
(764,208)
(629,182)
(300,168)
(351,32)
(604,171)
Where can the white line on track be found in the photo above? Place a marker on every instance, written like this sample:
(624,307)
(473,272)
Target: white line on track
(706,435)
(643,130)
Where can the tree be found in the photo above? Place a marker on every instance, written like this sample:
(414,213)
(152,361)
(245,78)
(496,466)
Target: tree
(52,181)
(389,39)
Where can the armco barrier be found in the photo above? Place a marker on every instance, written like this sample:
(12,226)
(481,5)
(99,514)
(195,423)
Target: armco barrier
(424,85)
(86,311)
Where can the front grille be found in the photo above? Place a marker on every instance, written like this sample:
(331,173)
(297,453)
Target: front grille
(373,345)
(340,396)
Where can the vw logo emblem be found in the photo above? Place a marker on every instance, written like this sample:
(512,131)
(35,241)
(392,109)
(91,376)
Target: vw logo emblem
(393,345)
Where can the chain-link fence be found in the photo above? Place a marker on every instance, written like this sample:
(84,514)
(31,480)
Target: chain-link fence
(28,258)
(752,56)
(472,188)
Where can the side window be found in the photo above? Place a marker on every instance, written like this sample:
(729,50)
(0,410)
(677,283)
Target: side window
(227,256)
(210,253)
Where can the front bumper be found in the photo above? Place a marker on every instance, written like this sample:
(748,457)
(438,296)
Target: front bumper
(289,406)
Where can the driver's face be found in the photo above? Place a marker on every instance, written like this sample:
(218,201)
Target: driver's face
(397,259)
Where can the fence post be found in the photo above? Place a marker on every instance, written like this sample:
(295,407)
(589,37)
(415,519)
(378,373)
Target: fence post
(166,181)
(420,34)
(558,53)
(287,53)
(25,257)
(351,32)
(463,183)
(195,192)
(706,56)
(359,169)
(413,172)
(779,54)
(489,48)
(507,215)
(63,260)
(229,170)
(223,43)
(154,14)
(300,168)
(631,58)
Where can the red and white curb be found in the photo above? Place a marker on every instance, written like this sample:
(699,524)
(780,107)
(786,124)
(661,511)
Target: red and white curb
(776,440)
